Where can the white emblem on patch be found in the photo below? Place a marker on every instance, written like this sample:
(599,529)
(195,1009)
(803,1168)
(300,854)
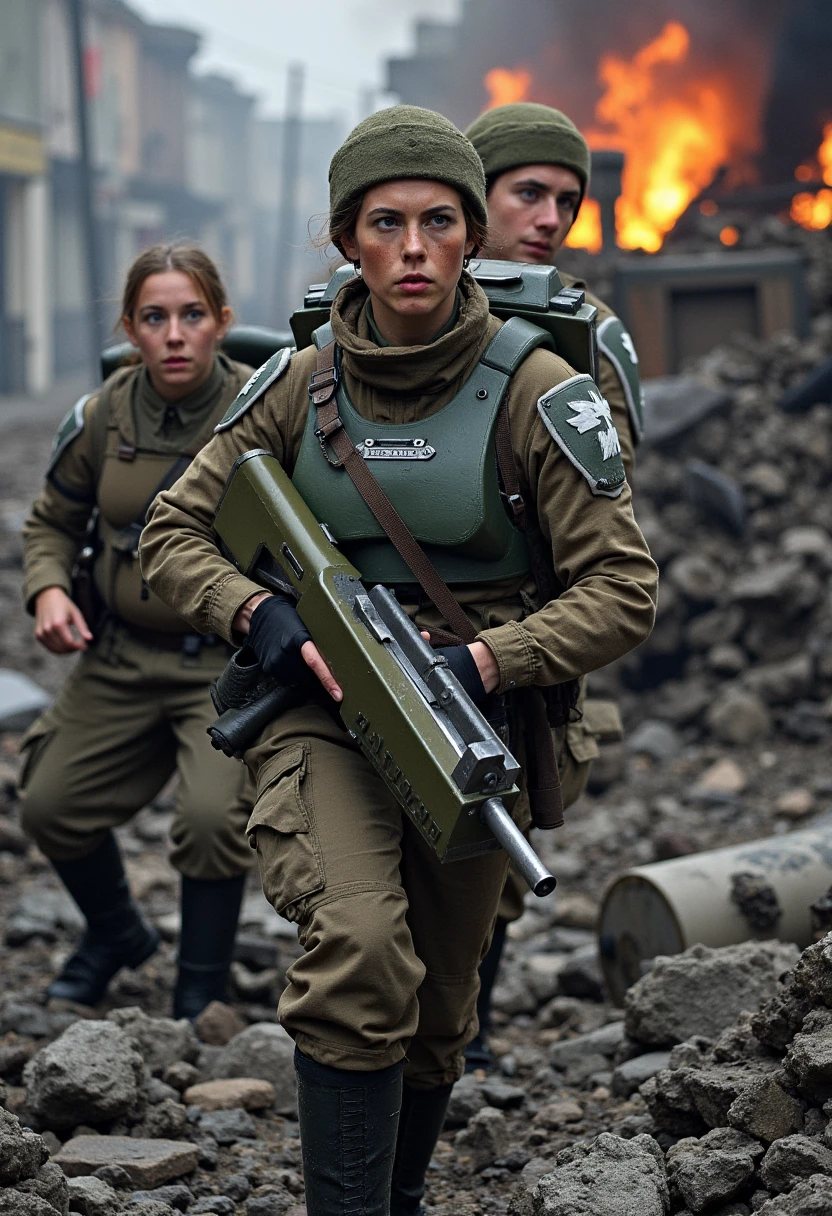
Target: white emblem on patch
(588,414)
(252,380)
(627,343)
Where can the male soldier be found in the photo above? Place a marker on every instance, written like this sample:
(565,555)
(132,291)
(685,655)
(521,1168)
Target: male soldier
(537,167)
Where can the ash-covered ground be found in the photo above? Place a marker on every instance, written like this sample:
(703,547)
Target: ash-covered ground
(728,715)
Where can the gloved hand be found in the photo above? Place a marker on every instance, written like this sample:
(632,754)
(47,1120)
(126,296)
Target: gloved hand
(276,634)
(462,664)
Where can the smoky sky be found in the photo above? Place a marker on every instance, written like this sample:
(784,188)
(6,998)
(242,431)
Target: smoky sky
(343,43)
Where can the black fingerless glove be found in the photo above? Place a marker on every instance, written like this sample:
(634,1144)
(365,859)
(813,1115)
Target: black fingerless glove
(276,634)
(462,664)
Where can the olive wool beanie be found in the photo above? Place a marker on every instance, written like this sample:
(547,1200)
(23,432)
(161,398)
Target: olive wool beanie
(526,133)
(406,141)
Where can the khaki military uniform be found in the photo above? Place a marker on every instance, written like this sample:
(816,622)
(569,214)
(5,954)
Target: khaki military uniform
(136,705)
(393,940)
(601,720)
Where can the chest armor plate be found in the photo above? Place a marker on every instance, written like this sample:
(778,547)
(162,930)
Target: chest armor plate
(450,498)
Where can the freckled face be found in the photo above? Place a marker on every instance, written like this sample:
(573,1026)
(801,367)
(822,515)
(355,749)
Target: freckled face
(410,238)
(530,212)
(176,332)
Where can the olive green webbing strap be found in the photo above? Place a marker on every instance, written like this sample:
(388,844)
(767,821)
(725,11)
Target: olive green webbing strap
(543,783)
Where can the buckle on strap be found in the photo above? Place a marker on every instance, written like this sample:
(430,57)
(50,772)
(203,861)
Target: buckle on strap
(322,435)
(322,385)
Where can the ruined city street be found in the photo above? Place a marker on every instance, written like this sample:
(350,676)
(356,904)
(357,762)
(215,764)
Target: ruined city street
(709,1091)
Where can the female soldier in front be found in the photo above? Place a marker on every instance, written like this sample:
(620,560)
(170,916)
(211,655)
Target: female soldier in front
(387,986)
(135,707)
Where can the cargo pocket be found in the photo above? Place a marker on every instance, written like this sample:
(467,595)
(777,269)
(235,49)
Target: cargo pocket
(576,751)
(32,746)
(603,720)
(282,830)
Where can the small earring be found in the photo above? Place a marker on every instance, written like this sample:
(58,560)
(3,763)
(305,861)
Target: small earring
(357,266)
(466,261)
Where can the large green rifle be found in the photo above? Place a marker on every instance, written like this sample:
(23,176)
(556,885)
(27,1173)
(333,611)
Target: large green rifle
(433,749)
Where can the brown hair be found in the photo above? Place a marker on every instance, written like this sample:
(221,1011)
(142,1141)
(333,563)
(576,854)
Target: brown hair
(190,260)
(342,223)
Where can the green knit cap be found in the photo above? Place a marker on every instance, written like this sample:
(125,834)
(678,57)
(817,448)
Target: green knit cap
(526,133)
(406,141)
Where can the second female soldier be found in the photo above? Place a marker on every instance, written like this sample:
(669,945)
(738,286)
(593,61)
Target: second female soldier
(135,708)
(382,1002)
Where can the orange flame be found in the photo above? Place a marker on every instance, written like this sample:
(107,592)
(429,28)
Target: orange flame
(812,210)
(585,233)
(505,87)
(825,154)
(673,144)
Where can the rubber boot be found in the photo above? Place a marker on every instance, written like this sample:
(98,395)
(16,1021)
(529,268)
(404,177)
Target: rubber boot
(421,1120)
(210,911)
(348,1124)
(116,936)
(477,1053)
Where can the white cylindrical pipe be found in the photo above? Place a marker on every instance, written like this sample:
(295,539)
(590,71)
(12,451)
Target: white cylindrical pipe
(665,907)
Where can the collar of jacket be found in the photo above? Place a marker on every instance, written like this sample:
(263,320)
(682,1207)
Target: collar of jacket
(186,410)
(410,371)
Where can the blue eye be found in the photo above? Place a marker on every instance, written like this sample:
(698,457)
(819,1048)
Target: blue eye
(387,222)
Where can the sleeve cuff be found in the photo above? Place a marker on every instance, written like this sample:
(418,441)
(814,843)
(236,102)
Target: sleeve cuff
(511,646)
(46,576)
(226,601)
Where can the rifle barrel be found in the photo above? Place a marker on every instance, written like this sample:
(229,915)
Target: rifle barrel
(495,816)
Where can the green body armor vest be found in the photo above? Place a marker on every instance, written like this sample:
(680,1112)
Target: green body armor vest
(440,472)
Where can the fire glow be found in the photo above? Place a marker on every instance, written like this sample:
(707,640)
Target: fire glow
(677,125)
(810,210)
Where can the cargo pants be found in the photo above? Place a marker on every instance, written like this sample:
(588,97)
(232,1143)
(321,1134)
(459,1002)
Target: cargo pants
(126,719)
(392,939)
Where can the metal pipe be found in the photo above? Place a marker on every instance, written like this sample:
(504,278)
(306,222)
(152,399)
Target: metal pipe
(495,816)
(759,890)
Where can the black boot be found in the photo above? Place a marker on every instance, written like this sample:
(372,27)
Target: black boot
(117,936)
(478,1053)
(210,911)
(348,1123)
(421,1120)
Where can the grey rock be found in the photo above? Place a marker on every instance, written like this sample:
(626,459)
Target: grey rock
(809,1059)
(237,1187)
(738,716)
(18,1203)
(262,1050)
(33,1021)
(219,1205)
(502,1096)
(773,581)
(601,1043)
(181,1076)
(89,1074)
(810,1198)
(92,1197)
(149,1163)
(228,1126)
(157,1091)
(49,1184)
(698,578)
(655,739)
(581,974)
(715,1088)
(273,1203)
(764,1110)
(712,1170)
(674,404)
(116,1175)
(21,700)
(714,495)
(467,1099)
(666,1007)
(714,627)
(513,993)
(167,1120)
(22,1153)
(55,909)
(609,1177)
(627,1077)
(778,683)
(792,1159)
(151,1207)
(483,1140)
(161,1041)
(177,1196)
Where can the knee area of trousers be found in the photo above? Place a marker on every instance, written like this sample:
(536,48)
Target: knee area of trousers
(365,927)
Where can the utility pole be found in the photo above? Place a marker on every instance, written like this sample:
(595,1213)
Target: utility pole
(287,215)
(97,323)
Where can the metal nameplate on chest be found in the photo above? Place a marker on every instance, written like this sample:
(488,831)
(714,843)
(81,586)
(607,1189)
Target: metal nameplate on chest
(396,449)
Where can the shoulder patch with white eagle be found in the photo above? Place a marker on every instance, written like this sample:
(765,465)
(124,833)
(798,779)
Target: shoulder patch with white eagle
(579,420)
(255,387)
